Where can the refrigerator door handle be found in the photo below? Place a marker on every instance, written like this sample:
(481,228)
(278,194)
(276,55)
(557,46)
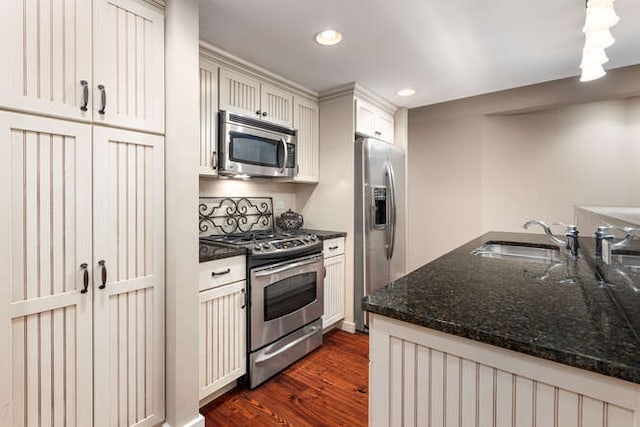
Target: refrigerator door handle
(391,211)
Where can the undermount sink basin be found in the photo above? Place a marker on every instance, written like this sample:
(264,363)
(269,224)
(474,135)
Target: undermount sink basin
(516,250)
(630,259)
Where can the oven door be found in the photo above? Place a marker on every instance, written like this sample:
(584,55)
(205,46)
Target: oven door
(251,151)
(285,297)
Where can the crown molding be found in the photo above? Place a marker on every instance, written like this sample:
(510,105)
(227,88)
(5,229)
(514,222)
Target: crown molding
(229,60)
(358,91)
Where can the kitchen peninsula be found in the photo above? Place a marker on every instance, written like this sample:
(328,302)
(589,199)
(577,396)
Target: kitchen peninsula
(467,339)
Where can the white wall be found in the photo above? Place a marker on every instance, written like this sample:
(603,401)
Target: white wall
(490,162)
(539,165)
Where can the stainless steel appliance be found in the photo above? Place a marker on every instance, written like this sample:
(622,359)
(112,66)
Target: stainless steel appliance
(286,297)
(379,219)
(254,147)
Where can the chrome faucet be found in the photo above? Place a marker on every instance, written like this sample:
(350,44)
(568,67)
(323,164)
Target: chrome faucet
(571,233)
(603,252)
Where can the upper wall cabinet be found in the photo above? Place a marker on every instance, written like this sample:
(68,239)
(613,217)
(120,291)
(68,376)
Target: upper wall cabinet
(208,118)
(48,46)
(46,51)
(306,121)
(372,121)
(276,105)
(128,89)
(248,96)
(239,93)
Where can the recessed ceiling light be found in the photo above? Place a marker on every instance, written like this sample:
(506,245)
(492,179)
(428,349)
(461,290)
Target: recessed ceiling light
(329,37)
(407,92)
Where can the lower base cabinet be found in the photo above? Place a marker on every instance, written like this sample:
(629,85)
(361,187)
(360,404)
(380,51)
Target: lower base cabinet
(334,264)
(422,377)
(222,352)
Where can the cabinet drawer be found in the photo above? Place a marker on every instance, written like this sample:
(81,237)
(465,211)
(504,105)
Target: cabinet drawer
(221,272)
(333,247)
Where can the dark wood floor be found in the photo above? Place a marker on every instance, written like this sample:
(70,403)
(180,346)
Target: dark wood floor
(329,387)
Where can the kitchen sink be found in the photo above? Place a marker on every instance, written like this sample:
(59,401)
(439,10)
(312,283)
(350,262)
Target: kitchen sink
(626,258)
(519,251)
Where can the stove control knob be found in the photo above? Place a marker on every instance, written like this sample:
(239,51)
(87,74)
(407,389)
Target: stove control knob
(313,237)
(257,248)
(266,246)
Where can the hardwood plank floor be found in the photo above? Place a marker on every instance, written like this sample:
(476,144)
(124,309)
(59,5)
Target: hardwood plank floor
(329,387)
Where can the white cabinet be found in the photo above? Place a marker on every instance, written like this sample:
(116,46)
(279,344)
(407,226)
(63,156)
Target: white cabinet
(208,118)
(421,377)
(46,51)
(128,313)
(239,93)
(306,121)
(223,300)
(334,281)
(51,67)
(45,320)
(245,95)
(128,73)
(223,89)
(81,214)
(372,121)
(276,105)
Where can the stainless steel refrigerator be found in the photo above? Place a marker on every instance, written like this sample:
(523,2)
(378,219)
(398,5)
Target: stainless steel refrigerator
(379,219)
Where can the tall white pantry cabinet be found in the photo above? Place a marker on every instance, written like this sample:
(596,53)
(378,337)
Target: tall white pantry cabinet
(82,190)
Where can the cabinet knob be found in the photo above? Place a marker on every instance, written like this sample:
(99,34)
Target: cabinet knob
(258,112)
(264,114)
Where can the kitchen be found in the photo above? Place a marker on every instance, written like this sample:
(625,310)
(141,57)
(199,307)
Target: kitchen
(469,163)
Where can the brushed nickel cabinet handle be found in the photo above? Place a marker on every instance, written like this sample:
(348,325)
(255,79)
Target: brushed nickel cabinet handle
(333,248)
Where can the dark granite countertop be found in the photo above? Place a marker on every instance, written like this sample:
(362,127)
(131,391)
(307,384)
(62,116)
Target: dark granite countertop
(326,235)
(213,251)
(564,314)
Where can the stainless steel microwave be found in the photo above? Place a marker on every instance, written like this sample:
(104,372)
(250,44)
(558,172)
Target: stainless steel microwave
(254,147)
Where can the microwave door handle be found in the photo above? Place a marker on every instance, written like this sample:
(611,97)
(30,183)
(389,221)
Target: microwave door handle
(285,156)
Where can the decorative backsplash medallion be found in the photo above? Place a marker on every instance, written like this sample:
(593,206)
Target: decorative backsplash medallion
(232,215)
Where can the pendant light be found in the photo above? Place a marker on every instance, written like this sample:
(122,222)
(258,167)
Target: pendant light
(600,17)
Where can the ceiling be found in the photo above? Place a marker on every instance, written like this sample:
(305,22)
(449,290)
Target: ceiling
(443,49)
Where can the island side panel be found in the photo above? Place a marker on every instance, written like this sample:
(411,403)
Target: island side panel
(417,376)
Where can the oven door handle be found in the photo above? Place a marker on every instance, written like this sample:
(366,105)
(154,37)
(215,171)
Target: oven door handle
(268,356)
(269,272)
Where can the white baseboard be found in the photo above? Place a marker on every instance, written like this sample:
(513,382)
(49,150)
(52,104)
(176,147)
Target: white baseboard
(197,422)
(348,327)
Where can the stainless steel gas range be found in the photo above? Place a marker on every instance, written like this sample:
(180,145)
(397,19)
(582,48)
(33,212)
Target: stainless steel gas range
(286,295)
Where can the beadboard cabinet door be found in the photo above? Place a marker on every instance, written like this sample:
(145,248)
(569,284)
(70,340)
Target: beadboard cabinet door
(128,85)
(45,271)
(239,93)
(129,279)
(46,57)
(306,120)
(222,356)
(276,105)
(333,290)
(208,118)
